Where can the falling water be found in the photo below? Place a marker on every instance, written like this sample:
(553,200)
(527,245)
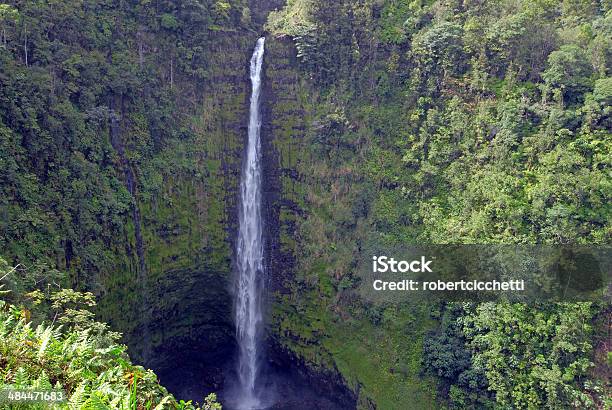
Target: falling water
(250,249)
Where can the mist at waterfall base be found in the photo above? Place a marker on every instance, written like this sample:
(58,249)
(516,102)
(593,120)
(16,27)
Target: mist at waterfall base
(250,379)
(281,386)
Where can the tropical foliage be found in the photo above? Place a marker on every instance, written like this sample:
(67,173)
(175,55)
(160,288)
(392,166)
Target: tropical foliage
(414,121)
(454,122)
(55,343)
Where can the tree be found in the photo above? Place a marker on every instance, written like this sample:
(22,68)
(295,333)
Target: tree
(440,50)
(569,71)
(533,357)
(8,15)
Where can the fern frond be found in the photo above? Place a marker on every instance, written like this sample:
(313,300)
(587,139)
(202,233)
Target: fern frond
(45,337)
(78,397)
(42,382)
(95,403)
(21,377)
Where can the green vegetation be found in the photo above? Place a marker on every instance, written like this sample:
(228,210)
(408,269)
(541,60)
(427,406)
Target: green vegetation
(54,342)
(391,122)
(117,162)
(534,356)
(451,122)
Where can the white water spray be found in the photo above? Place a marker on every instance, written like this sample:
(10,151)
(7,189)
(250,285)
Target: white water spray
(250,250)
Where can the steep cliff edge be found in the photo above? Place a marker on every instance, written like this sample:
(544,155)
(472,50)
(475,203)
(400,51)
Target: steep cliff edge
(188,226)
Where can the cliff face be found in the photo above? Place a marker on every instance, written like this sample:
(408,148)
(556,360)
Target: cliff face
(182,297)
(182,313)
(286,109)
(410,124)
(122,137)
(121,134)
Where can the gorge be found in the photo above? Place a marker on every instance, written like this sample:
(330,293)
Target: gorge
(214,195)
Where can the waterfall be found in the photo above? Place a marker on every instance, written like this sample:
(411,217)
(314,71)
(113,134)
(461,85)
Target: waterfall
(249,253)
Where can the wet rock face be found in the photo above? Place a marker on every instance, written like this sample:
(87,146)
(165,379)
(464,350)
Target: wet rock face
(196,328)
(286,111)
(188,231)
(283,131)
(318,389)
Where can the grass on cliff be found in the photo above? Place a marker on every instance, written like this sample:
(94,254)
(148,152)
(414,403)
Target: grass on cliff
(382,361)
(385,361)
